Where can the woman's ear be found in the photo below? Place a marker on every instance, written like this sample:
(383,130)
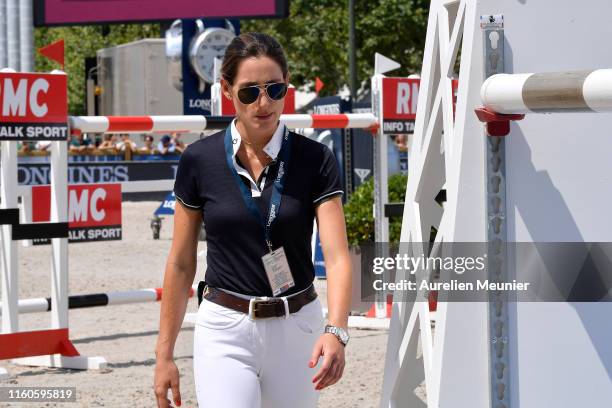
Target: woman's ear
(226,88)
(287,78)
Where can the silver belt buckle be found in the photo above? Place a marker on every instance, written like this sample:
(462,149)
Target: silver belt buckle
(252,303)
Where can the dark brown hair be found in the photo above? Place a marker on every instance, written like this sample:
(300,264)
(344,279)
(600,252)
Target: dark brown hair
(249,45)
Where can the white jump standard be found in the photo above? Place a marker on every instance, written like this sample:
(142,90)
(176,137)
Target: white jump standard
(554,190)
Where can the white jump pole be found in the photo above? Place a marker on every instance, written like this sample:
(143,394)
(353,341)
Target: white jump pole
(570,91)
(199,123)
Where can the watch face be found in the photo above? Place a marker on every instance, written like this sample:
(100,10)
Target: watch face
(209,45)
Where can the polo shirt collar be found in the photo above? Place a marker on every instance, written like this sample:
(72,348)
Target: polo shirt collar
(271,148)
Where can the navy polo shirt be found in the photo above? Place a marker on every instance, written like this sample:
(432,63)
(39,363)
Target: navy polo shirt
(235,238)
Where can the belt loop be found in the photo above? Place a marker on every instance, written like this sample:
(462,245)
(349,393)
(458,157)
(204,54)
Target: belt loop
(286,303)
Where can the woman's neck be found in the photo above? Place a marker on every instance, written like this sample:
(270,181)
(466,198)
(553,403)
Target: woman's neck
(251,137)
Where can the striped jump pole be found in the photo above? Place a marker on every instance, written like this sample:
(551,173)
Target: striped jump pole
(199,123)
(37,305)
(571,91)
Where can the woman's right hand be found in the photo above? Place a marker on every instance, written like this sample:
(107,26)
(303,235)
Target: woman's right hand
(166,377)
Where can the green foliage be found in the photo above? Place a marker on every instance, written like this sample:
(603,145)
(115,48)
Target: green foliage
(82,42)
(358,210)
(315,38)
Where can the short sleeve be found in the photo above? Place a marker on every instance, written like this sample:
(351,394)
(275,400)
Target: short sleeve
(327,183)
(186,185)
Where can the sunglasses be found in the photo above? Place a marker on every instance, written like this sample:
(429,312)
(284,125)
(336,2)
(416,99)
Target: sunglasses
(275,91)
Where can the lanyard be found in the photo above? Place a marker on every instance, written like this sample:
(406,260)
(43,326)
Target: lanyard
(277,190)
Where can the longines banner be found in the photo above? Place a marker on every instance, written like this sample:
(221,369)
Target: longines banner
(99,172)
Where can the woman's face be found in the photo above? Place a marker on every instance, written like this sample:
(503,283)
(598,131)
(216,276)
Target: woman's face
(262,115)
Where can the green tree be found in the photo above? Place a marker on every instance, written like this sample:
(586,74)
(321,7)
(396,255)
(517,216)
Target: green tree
(358,210)
(315,38)
(82,42)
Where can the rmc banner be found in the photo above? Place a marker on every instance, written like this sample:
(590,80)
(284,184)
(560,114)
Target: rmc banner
(94,211)
(400,98)
(33,106)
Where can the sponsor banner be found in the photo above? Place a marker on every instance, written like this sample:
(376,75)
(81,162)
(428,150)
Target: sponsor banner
(362,144)
(33,106)
(34,131)
(400,96)
(89,234)
(86,12)
(403,162)
(94,211)
(336,139)
(99,172)
(167,206)
(196,94)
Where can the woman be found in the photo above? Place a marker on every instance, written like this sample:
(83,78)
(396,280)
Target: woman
(148,147)
(258,188)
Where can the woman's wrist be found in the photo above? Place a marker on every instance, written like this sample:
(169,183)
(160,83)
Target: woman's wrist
(164,353)
(164,356)
(342,323)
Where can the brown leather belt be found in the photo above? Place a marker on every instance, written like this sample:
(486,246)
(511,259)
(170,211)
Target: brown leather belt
(260,307)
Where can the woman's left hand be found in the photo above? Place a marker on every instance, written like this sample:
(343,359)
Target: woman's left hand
(331,370)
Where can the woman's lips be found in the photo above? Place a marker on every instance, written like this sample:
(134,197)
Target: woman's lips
(264,117)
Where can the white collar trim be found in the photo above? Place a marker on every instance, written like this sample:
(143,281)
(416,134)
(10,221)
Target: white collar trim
(271,149)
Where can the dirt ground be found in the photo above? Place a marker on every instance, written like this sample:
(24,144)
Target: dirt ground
(126,334)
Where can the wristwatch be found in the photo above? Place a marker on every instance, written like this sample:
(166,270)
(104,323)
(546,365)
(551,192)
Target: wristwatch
(341,334)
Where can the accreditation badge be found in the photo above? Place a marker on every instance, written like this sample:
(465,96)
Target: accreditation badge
(277,269)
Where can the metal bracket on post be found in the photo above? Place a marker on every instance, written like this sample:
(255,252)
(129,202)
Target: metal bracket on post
(499,373)
(497,124)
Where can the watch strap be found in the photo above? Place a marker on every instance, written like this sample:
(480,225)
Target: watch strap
(334,330)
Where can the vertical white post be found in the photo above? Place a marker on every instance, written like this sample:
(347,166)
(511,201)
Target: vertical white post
(8,197)
(59,246)
(26,36)
(8,186)
(3,45)
(12,34)
(215,89)
(25,211)
(381,223)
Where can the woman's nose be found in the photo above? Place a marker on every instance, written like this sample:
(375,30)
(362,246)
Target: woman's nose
(263,100)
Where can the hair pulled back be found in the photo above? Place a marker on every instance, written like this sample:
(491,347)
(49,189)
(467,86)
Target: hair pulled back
(250,45)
